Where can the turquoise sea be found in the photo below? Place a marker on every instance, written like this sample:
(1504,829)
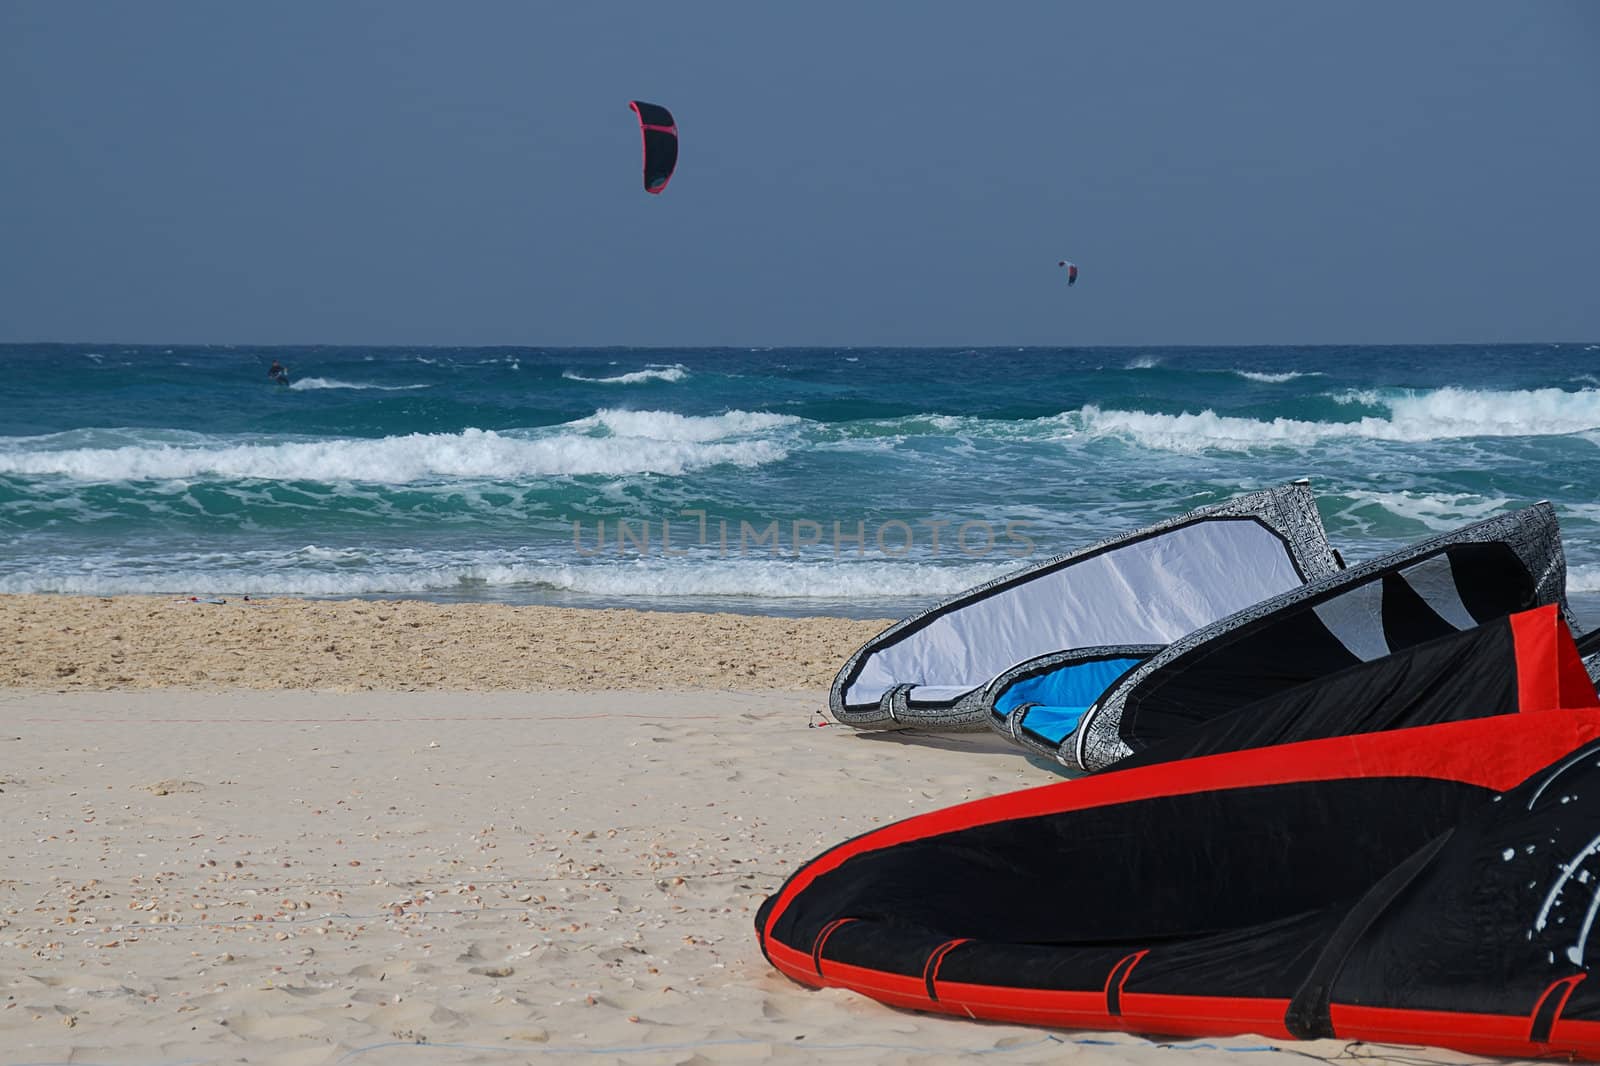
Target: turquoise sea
(485,473)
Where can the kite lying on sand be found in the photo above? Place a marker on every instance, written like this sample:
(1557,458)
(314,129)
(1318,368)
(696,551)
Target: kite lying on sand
(1435,884)
(1123,598)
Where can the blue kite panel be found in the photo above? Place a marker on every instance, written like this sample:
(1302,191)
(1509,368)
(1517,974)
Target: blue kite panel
(1063,695)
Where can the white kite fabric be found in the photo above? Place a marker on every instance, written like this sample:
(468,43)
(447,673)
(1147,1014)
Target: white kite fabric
(1149,587)
(1149,592)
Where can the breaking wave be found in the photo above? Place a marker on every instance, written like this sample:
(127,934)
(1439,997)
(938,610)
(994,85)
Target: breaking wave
(1441,414)
(670,426)
(607,443)
(331,383)
(1268,378)
(619,442)
(652,372)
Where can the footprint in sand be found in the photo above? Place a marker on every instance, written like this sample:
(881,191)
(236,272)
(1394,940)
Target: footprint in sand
(263,1027)
(173,784)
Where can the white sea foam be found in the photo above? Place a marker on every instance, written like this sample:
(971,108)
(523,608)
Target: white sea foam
(670,426)
(313,553)
(1584,578)
(1438,511)
(314,574)
(1439,414)
(1268,378)
(1142,362)
(768,579)
(1365,397)
(652,372)
(333,383)
(1455,412)
(676,444)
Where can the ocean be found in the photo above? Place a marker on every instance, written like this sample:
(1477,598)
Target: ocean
(849,481)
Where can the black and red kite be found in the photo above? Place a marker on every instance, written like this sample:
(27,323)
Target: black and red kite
(1425,868)
(660,135)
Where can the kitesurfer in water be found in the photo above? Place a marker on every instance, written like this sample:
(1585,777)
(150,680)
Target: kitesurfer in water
(277,373)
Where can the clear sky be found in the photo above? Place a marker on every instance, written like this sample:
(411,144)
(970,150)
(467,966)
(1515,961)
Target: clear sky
(852,173)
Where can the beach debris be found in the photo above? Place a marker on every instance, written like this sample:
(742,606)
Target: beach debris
(172,784)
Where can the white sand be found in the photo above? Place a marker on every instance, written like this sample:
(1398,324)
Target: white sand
(303,877)
(291,877)
(124,642)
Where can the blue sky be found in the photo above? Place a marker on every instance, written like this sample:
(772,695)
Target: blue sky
(880,173)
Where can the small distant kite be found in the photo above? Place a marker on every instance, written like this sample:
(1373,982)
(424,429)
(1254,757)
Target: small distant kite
(1072,272)
(660,136)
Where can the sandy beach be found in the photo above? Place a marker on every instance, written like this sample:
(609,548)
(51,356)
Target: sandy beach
(82,642)
(209,860)
(447,455)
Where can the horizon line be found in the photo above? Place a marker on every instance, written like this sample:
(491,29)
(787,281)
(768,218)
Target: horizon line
(995,346)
